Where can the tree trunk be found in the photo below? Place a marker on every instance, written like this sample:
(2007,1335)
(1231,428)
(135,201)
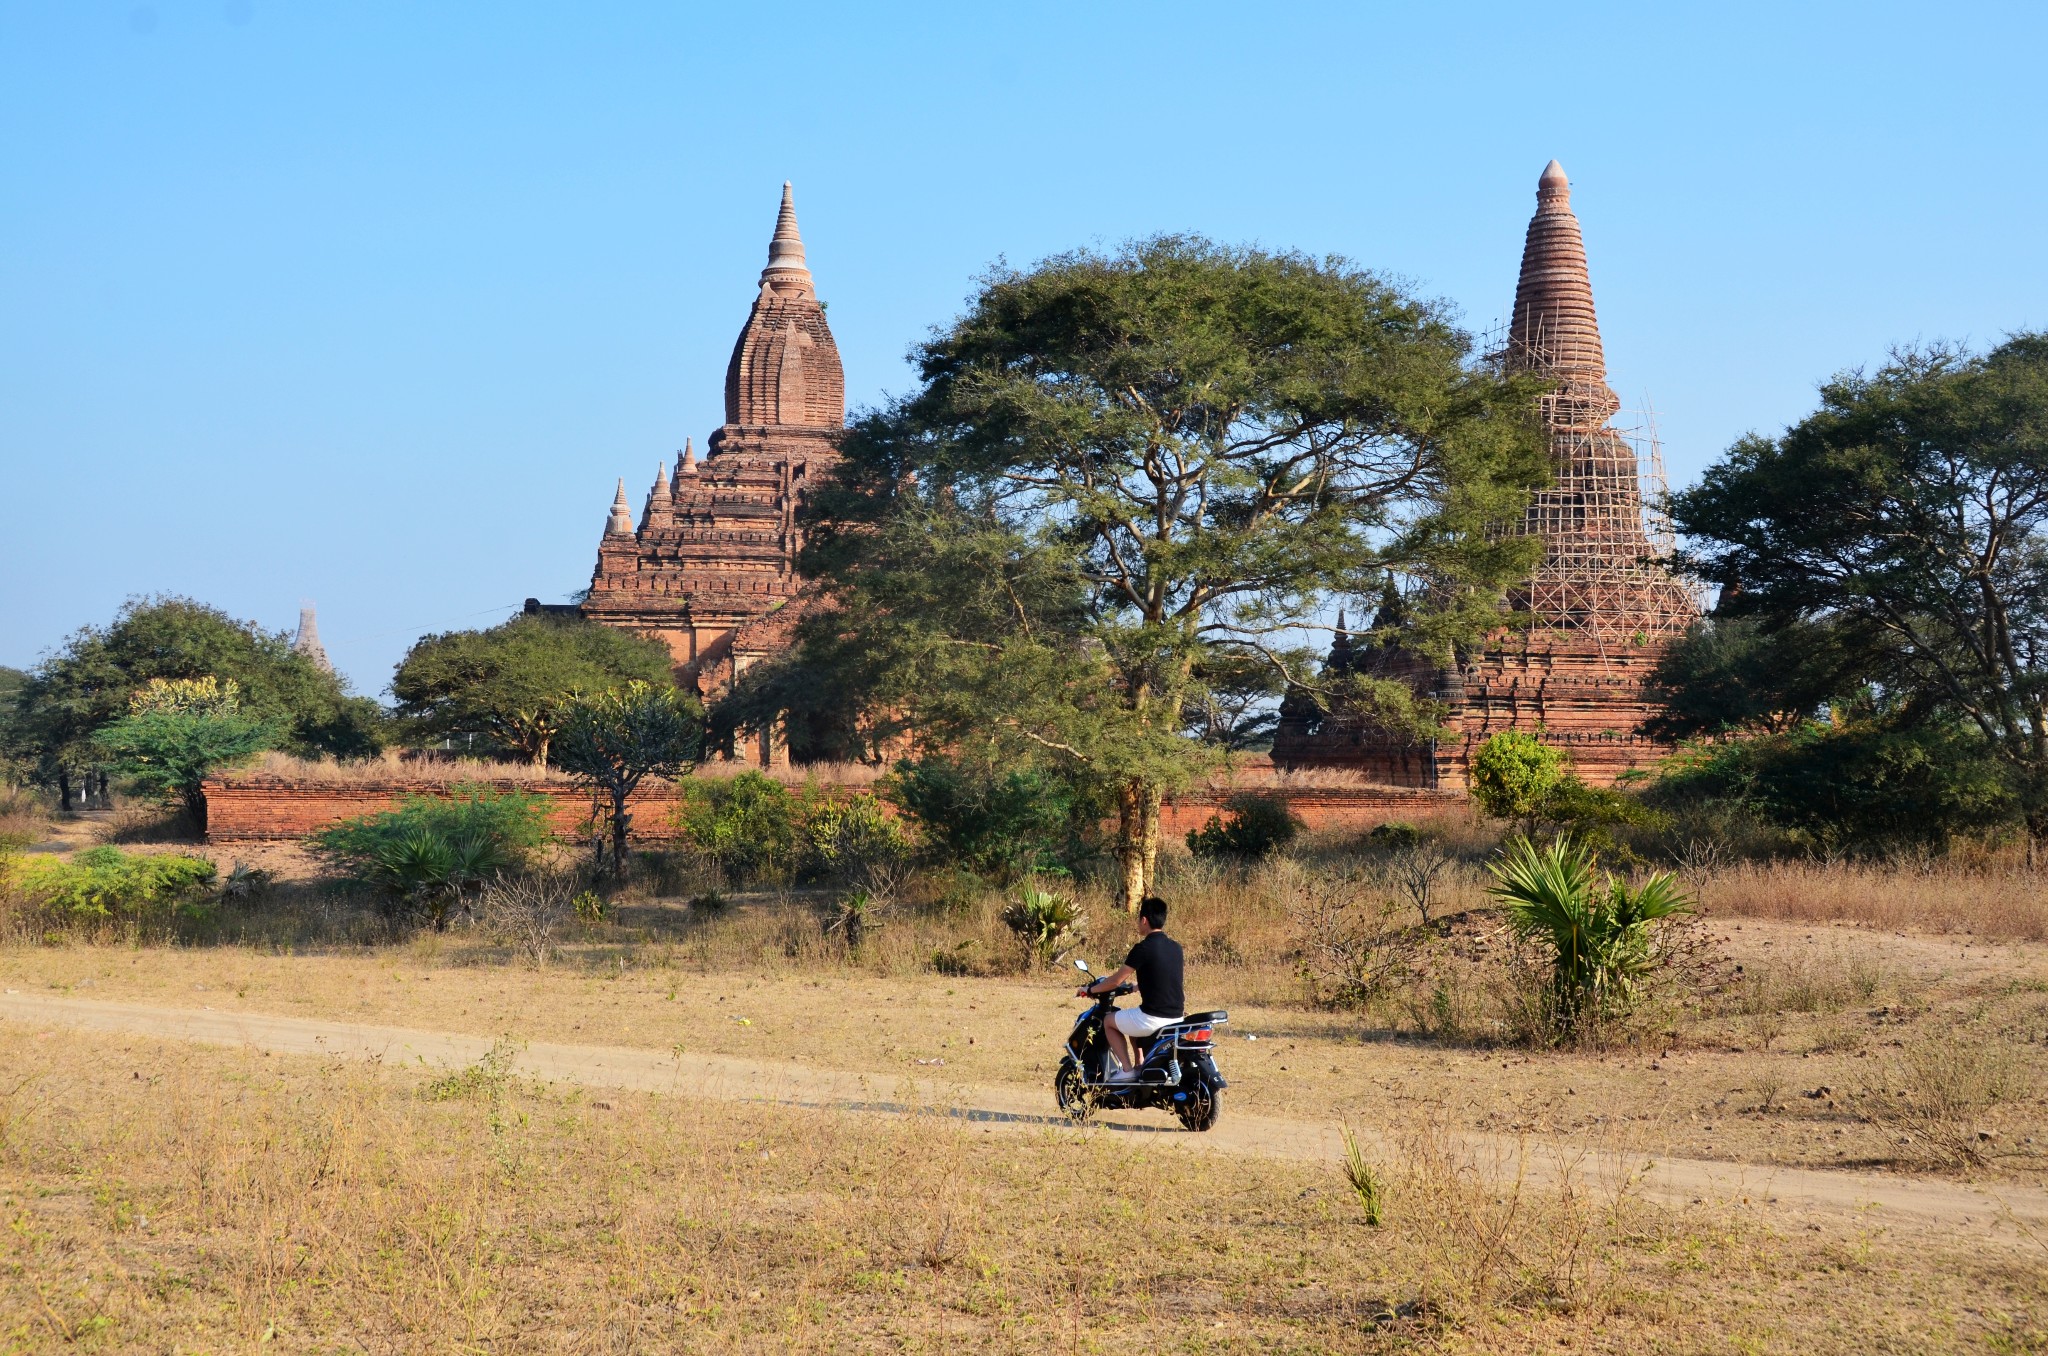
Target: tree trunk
(1137,840)
(63,790)
(1151,838)
(621,821)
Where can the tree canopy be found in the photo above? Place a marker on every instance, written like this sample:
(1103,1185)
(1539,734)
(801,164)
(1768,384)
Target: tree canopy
(1895,537)
(87,684)
(615,739)
(180,731)
(1126,477)
(511,684)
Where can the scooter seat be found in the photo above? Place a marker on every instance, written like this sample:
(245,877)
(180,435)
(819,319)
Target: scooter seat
(1196,1018)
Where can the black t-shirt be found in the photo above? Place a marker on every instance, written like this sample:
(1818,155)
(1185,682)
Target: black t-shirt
(1157,960)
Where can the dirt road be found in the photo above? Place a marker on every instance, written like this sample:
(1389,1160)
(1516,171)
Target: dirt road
(1897,1201)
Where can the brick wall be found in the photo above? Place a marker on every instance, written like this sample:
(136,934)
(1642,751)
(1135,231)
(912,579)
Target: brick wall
(1318,807)
(246,809)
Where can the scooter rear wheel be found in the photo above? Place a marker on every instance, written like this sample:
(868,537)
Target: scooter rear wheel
(1200,1110)
(1072,1092)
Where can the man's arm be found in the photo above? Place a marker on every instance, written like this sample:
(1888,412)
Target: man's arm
(1123,974)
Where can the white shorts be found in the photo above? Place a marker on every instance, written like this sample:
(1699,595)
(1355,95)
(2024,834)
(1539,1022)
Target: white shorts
(1138,1024)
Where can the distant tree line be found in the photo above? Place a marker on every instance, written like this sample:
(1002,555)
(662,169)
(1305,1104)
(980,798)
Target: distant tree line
(1078,565)
(1873,675)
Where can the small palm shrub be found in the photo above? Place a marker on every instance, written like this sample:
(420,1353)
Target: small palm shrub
(1598,933)
(1252,826)
(430,857)
(857,914)
(590,908)
(1049,925)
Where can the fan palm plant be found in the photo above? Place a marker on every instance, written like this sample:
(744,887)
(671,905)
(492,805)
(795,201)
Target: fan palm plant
(1599,933)
(1050,925)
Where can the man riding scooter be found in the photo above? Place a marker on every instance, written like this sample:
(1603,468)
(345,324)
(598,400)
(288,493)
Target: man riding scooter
(1156,964)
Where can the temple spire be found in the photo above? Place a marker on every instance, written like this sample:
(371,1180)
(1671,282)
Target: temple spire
(786,271)
(621,524)
(686,467)
(785,370)
(1554,330)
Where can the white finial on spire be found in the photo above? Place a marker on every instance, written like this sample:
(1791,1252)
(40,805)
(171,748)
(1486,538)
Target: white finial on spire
(786,271)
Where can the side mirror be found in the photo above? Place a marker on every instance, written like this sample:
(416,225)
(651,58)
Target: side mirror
(1082,966)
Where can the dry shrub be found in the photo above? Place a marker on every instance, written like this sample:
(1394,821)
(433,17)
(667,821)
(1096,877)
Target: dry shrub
(24,815)
(1822,981)
(528,911)
(392,765)
(1509,1224)
(1938,1095)
(1991,899)
(1354,943)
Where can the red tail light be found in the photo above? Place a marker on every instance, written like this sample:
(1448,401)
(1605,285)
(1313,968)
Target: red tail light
(1199,1036)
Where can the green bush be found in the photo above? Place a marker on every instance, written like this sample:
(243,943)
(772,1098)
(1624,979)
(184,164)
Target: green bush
(745,825)
(1517,776)
(1394,836)
(1513,775)
(854,839)
(105,883)
(1254,825)
(429,856)
(1598,934)
(1001,824)
(1860,787)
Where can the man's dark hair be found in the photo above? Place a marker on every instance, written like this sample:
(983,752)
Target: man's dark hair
(1153,910)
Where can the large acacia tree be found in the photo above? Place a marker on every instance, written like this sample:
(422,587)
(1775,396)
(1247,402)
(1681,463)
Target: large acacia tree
(1125,474)
(1898,538)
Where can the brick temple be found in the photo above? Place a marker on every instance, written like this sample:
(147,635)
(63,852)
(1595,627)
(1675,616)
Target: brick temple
(710,567)
(1602,610)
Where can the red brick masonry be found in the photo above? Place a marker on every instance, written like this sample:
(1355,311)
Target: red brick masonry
(254,808)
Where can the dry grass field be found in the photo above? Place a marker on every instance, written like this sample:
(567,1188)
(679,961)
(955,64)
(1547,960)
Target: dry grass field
(171,1197)
(181,1199)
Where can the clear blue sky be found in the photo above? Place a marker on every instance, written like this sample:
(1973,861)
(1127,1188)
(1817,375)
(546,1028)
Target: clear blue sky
(370,303)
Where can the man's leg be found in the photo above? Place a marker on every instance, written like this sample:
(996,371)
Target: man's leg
(1119,1044)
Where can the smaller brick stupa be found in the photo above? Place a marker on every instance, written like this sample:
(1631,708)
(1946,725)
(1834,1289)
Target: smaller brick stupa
(1601,608)
(710,569)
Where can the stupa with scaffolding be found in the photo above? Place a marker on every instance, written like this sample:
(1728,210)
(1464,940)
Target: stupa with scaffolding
(1600,608)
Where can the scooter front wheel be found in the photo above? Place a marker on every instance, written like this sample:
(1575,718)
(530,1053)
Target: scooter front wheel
(1072,1092)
